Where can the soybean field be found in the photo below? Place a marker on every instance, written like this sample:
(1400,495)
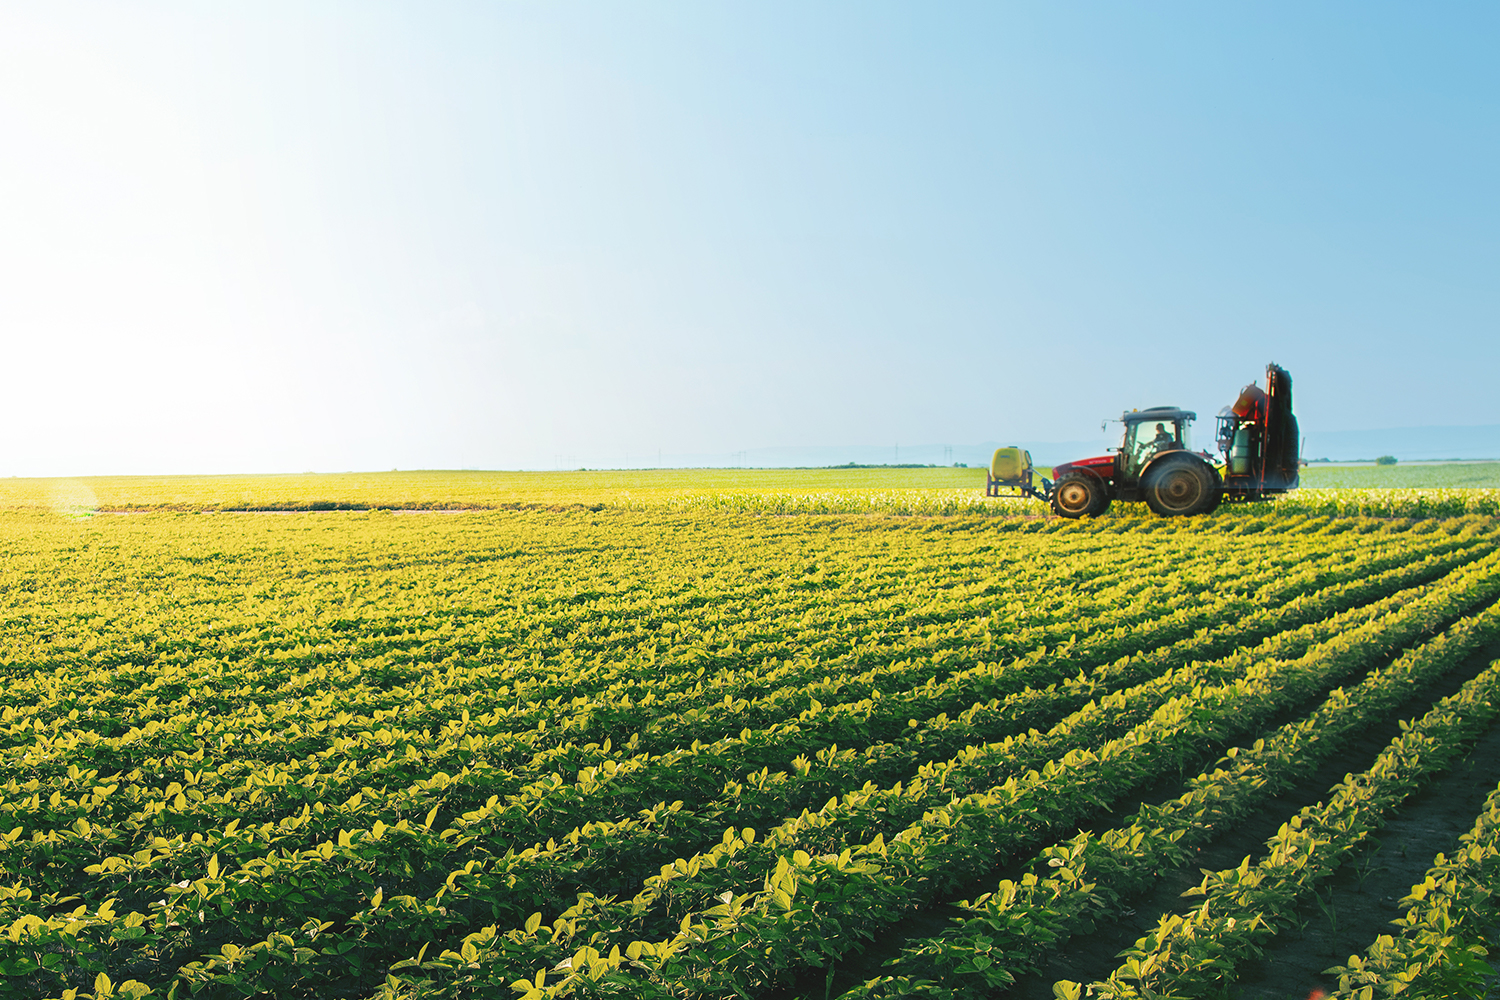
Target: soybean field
(766,744)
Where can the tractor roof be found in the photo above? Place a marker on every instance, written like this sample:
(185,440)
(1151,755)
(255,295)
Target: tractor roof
(1161,413)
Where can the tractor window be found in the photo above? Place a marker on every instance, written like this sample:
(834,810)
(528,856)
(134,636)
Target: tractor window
(1146,439)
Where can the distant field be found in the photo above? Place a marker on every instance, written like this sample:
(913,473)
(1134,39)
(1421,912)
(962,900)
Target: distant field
(1447,475)
(417,490)
(935,490)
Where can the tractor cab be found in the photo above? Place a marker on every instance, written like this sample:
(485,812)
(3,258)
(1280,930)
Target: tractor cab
(1155,463)
(1152,432)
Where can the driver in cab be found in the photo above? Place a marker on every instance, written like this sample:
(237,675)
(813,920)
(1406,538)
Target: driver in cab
(1164,440)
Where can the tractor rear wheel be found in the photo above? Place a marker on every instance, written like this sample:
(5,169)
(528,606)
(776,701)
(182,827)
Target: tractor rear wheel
(1077,494)
(1181,487)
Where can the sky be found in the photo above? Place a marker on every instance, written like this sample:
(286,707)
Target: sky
(285,237)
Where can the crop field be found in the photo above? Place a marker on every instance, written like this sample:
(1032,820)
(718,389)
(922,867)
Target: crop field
(663,735)
(1435,475)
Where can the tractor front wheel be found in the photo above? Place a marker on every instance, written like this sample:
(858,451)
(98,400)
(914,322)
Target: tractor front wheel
(1181,488)
(1077,494)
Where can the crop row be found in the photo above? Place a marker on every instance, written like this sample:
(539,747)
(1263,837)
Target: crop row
(1437,502)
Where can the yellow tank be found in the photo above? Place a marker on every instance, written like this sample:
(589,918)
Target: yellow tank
(1011,465)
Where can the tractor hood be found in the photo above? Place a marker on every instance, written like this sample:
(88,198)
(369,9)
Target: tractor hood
(1100,465)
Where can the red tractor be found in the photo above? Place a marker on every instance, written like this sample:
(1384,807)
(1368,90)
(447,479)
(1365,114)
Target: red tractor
(1155,461)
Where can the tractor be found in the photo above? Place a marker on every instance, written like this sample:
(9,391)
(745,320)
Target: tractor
(1155,461)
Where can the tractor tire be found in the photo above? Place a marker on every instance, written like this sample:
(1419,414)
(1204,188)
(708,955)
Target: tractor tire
(1181,487)
(1077,494)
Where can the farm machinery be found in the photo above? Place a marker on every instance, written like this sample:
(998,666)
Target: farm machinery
(1257,438)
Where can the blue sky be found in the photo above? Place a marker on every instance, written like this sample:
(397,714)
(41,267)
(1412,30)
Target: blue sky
(278,237)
